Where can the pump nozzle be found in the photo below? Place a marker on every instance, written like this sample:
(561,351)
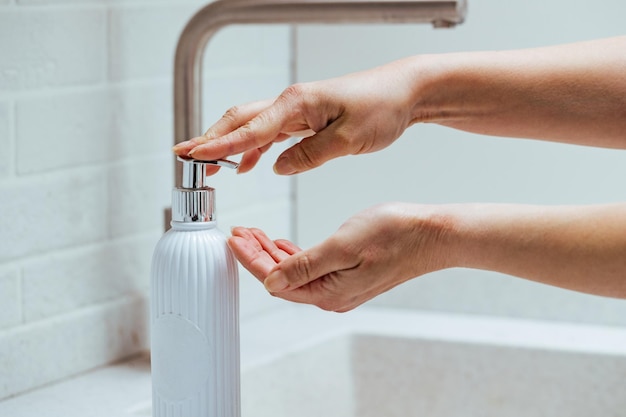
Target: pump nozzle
(193,200)
(194,170)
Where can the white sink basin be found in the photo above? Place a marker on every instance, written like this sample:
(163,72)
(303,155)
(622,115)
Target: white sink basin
(373,376)
(302,362)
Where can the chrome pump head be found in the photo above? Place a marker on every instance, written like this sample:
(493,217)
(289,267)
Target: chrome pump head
(193,201)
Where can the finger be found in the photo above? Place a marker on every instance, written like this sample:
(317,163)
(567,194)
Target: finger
(287,246)
(320,293)
(234,118)
(211,169)
(250,158)
(183,148)
(302,133)
(269,246)
(306,266)
(312,152)
(251,256)
(264,128)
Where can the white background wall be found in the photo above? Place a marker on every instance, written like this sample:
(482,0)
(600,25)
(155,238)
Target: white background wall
(86,170)
(85,165)
(430,164)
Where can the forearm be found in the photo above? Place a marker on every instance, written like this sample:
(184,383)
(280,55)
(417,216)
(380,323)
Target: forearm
(582,248)
(572,93)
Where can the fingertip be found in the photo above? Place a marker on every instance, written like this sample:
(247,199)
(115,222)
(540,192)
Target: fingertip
(284,166)
(183,148)
(211,170)
(249,160)
(287,246)
(234,230)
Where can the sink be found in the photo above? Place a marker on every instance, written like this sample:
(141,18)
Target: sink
(372,376)
(303,362)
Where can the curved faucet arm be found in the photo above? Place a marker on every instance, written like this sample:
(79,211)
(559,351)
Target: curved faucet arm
(206,22)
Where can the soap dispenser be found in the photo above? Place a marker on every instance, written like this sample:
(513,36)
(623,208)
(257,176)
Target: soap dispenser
(194,307)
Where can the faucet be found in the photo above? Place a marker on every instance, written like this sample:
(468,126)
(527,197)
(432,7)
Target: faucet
(208,20)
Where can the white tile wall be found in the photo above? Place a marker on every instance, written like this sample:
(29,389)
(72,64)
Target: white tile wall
(86,170)
(51,47)
(62,129)
(139,189)
(51,212)
(6,144)
(68,280)
(141,120)
(10,298)
(150,32)
(35,354)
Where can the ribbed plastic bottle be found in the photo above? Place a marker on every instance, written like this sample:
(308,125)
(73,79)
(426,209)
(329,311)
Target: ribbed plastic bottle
(194,310)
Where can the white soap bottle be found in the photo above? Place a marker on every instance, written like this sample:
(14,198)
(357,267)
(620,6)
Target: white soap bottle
(194,308)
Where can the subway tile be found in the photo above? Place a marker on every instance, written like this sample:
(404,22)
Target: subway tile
(97,125)
(82,277)
(10,298)
(6,143)
(141,119)
(62,130)
(50,47)
(138,192)
(150,52)
(249,49)
(47,351)
(142,39)
(45,213)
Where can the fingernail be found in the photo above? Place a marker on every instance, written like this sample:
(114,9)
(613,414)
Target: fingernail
(276,281)
(283,166)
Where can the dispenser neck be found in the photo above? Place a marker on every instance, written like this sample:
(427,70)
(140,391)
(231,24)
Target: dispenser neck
(191,227)
(193,201)
(193,205)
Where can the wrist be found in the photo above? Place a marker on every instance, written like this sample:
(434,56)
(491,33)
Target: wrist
(436,233)
(432,85)
(454,89)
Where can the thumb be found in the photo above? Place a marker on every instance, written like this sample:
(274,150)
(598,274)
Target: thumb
(313,151)
(303,267)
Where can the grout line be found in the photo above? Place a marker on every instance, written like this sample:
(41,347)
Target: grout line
(107,45)
(217,75)
(105,166)
(12,140)
(20,294)
(69,250)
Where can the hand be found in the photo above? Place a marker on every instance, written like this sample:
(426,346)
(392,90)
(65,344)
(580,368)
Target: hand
(354,114)
(372,252)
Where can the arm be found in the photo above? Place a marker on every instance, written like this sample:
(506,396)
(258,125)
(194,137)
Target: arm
(580,248)
(570,93)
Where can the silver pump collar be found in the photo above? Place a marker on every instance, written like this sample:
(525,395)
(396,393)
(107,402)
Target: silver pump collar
(194,201)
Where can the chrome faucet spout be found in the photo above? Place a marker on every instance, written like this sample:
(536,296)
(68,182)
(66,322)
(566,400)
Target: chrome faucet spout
(207,21)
